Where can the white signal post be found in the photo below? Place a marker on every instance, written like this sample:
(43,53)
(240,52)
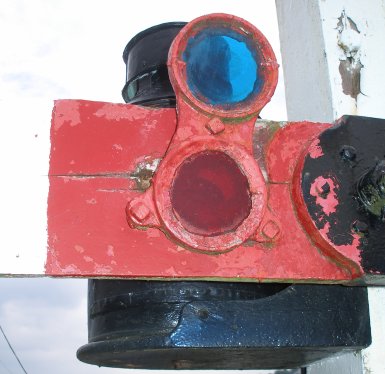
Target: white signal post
(333,62)
(24,150)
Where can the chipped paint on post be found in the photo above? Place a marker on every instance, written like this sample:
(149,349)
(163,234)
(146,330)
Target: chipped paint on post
(349,40)
(313,24)
(353,41)
(339,45)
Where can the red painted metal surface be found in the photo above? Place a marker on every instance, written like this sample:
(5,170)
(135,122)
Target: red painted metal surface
(208,192)
(102,157)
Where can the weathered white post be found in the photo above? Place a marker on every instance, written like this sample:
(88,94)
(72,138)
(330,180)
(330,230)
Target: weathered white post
(333,62)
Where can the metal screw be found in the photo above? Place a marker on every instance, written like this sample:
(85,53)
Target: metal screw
(348,153)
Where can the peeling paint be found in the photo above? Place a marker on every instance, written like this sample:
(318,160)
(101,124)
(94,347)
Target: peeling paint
(110,251)
(102,269)
(70,269)
(120,112)
(88,259)
(348,250)
(143,173)
(70,115)
(315,149)
(349,42)
(79,248)
(326,199)
(171,271)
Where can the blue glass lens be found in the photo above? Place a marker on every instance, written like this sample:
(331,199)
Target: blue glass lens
(221,69)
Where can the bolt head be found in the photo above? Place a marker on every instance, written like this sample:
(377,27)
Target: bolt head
(215,126)
(348,153)
(270,230)
(139,211)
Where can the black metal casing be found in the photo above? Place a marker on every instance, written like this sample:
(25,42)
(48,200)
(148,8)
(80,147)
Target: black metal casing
(145,56)
(209,325)
(354,155)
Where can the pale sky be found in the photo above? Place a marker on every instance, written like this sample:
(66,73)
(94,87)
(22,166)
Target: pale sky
(68,49)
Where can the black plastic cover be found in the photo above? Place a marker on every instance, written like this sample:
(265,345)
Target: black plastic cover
(145,56)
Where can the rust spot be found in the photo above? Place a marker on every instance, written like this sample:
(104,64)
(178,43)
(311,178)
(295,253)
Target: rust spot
(351,77)
(349,42)
(143,174)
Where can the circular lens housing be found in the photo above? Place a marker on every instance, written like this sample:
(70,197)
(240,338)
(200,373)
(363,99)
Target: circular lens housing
(210,194)
(224,66)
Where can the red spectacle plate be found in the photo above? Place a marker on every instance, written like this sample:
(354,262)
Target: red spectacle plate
(245,48)
(209,193)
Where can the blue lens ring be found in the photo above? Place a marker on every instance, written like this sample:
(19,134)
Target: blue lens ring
(224,66)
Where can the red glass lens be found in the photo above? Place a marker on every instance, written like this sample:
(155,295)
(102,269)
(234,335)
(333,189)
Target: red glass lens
(210,194)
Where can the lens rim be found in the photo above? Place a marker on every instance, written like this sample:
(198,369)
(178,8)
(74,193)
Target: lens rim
(162,197)
(266,61)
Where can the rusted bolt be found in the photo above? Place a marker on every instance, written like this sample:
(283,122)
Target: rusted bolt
(360,228)
(322,188)
(270,230)
(203,314)
(139,211)
(215,126)
(348,153)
